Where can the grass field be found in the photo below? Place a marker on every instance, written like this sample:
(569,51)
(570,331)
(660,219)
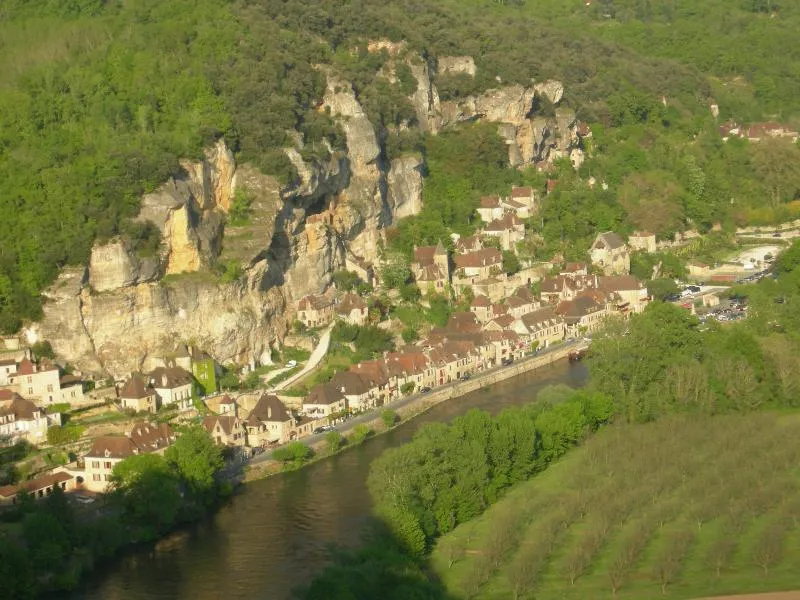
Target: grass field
(681,508)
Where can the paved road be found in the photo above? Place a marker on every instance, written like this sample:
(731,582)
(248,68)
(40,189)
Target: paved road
(316,357)
(395,405)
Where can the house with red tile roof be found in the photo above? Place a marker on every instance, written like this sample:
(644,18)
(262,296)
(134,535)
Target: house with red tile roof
(21,419)
(226,430)
(352,309)
(431,268)
(315,311)
(490,208)
(37,488)
(137,394)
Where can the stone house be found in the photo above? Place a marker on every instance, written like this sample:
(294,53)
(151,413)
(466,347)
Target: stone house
(698,269)
(8,369)
(375,373)
(467,244)
(493,288)
(490,208)
(38,488)
(584,314)
(452,360)
(173,385)
(226,430)
(21,419)
(138,394)
(572,269)
(610,253)
(509,230)
(515,207)
(324,400)
(106,453)
(315,311)
(352,309)
(544,327)
(632,293)
(481,306)
(642,240)
(505,345)
(109,450)
(481,264)
(357,390)
(269,422)
(410,367)
(526,196)
(43,384)
(364,270)
(431,268)
(520,303)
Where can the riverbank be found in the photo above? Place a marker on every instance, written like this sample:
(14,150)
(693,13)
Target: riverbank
(413,406)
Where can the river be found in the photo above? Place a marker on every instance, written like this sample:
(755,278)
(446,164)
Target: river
(276,533)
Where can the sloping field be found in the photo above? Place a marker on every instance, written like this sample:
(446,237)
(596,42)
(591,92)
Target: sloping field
(681,508)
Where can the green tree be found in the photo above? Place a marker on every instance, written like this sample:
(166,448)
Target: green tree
(510,263)
(389,418)
(196,458)
(295,452)
(333,441)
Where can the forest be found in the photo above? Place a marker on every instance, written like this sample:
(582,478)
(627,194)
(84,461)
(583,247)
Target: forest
(101,98)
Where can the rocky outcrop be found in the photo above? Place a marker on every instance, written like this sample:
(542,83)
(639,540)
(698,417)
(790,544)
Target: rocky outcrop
(114,265)
(123,312)
(405,186)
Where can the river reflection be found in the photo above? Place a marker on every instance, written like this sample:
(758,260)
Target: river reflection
(276,533)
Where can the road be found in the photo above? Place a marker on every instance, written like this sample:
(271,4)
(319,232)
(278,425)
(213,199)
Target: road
(395,405)
(316,357)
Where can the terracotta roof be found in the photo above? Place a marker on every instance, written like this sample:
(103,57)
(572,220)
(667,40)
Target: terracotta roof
(136,388)
(151,436)
(169,377)
(424,254)
(22,409)
(373,371)
(481,301)
(6,394)
(525,294)
(516,302)
(406,363)
(26,367)
(312,302)
(574,267)
(113,446)
(7,362)
(323,393)
(521,192)
(350,384)
(70,380)
(269,409)
(431,273)
(9,491)
(508,222)
(579,307)
(490,202)
(469,244)
(480,258)
(349,303)
(463,321)
(504,320)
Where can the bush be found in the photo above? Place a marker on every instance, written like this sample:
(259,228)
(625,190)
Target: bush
(293,452)
(410,292)
(346,281)
(43,350)
(389,417)
(360,433)
(410,335)
(408,388)
(333,441)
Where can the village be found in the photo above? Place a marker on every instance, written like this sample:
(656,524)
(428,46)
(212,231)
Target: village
(78,434)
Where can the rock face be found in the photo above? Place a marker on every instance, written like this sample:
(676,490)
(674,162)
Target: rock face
(233,289)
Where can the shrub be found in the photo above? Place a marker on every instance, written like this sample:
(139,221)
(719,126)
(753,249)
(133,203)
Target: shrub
(360,433)
(389,417)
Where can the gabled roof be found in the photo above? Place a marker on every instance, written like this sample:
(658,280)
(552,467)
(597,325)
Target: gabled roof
(484,257)
(372,371)
(350,383)
(324,394)
(504,321)
(533,319)
(45,481)
(521,192)
(490,202)
(169,378)
(508,222)
(22,409)
(269,409)
(26,367)
(424,255)
(480,301)
(151,436)
(524,293)
(406,363)
(610,239)
(463,321)
(312,302)
(226,422)
(469,244)
(579,307)
(431,273)
(574,267)
(349,303)
(136,388)
(113,446)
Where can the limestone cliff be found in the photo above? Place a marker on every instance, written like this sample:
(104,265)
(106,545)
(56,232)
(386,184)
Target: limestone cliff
(233,288)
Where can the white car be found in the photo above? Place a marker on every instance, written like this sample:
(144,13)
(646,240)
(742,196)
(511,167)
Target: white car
(291,364)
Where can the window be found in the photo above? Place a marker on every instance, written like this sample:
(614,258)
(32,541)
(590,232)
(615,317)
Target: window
(95,464)
(107,464)
(95,477)
(49,387)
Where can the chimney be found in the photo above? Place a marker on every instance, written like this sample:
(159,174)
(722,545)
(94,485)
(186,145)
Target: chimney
(269,412)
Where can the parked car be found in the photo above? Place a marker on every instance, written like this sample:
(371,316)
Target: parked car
(84,499)
(424,390)
(507,361)
(319,430)
(291,364)
(465,377)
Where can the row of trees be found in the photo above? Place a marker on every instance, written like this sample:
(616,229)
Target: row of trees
(449,474)
(58,543)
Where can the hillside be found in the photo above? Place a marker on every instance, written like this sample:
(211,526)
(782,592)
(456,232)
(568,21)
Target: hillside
(101,100)
(684,507)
